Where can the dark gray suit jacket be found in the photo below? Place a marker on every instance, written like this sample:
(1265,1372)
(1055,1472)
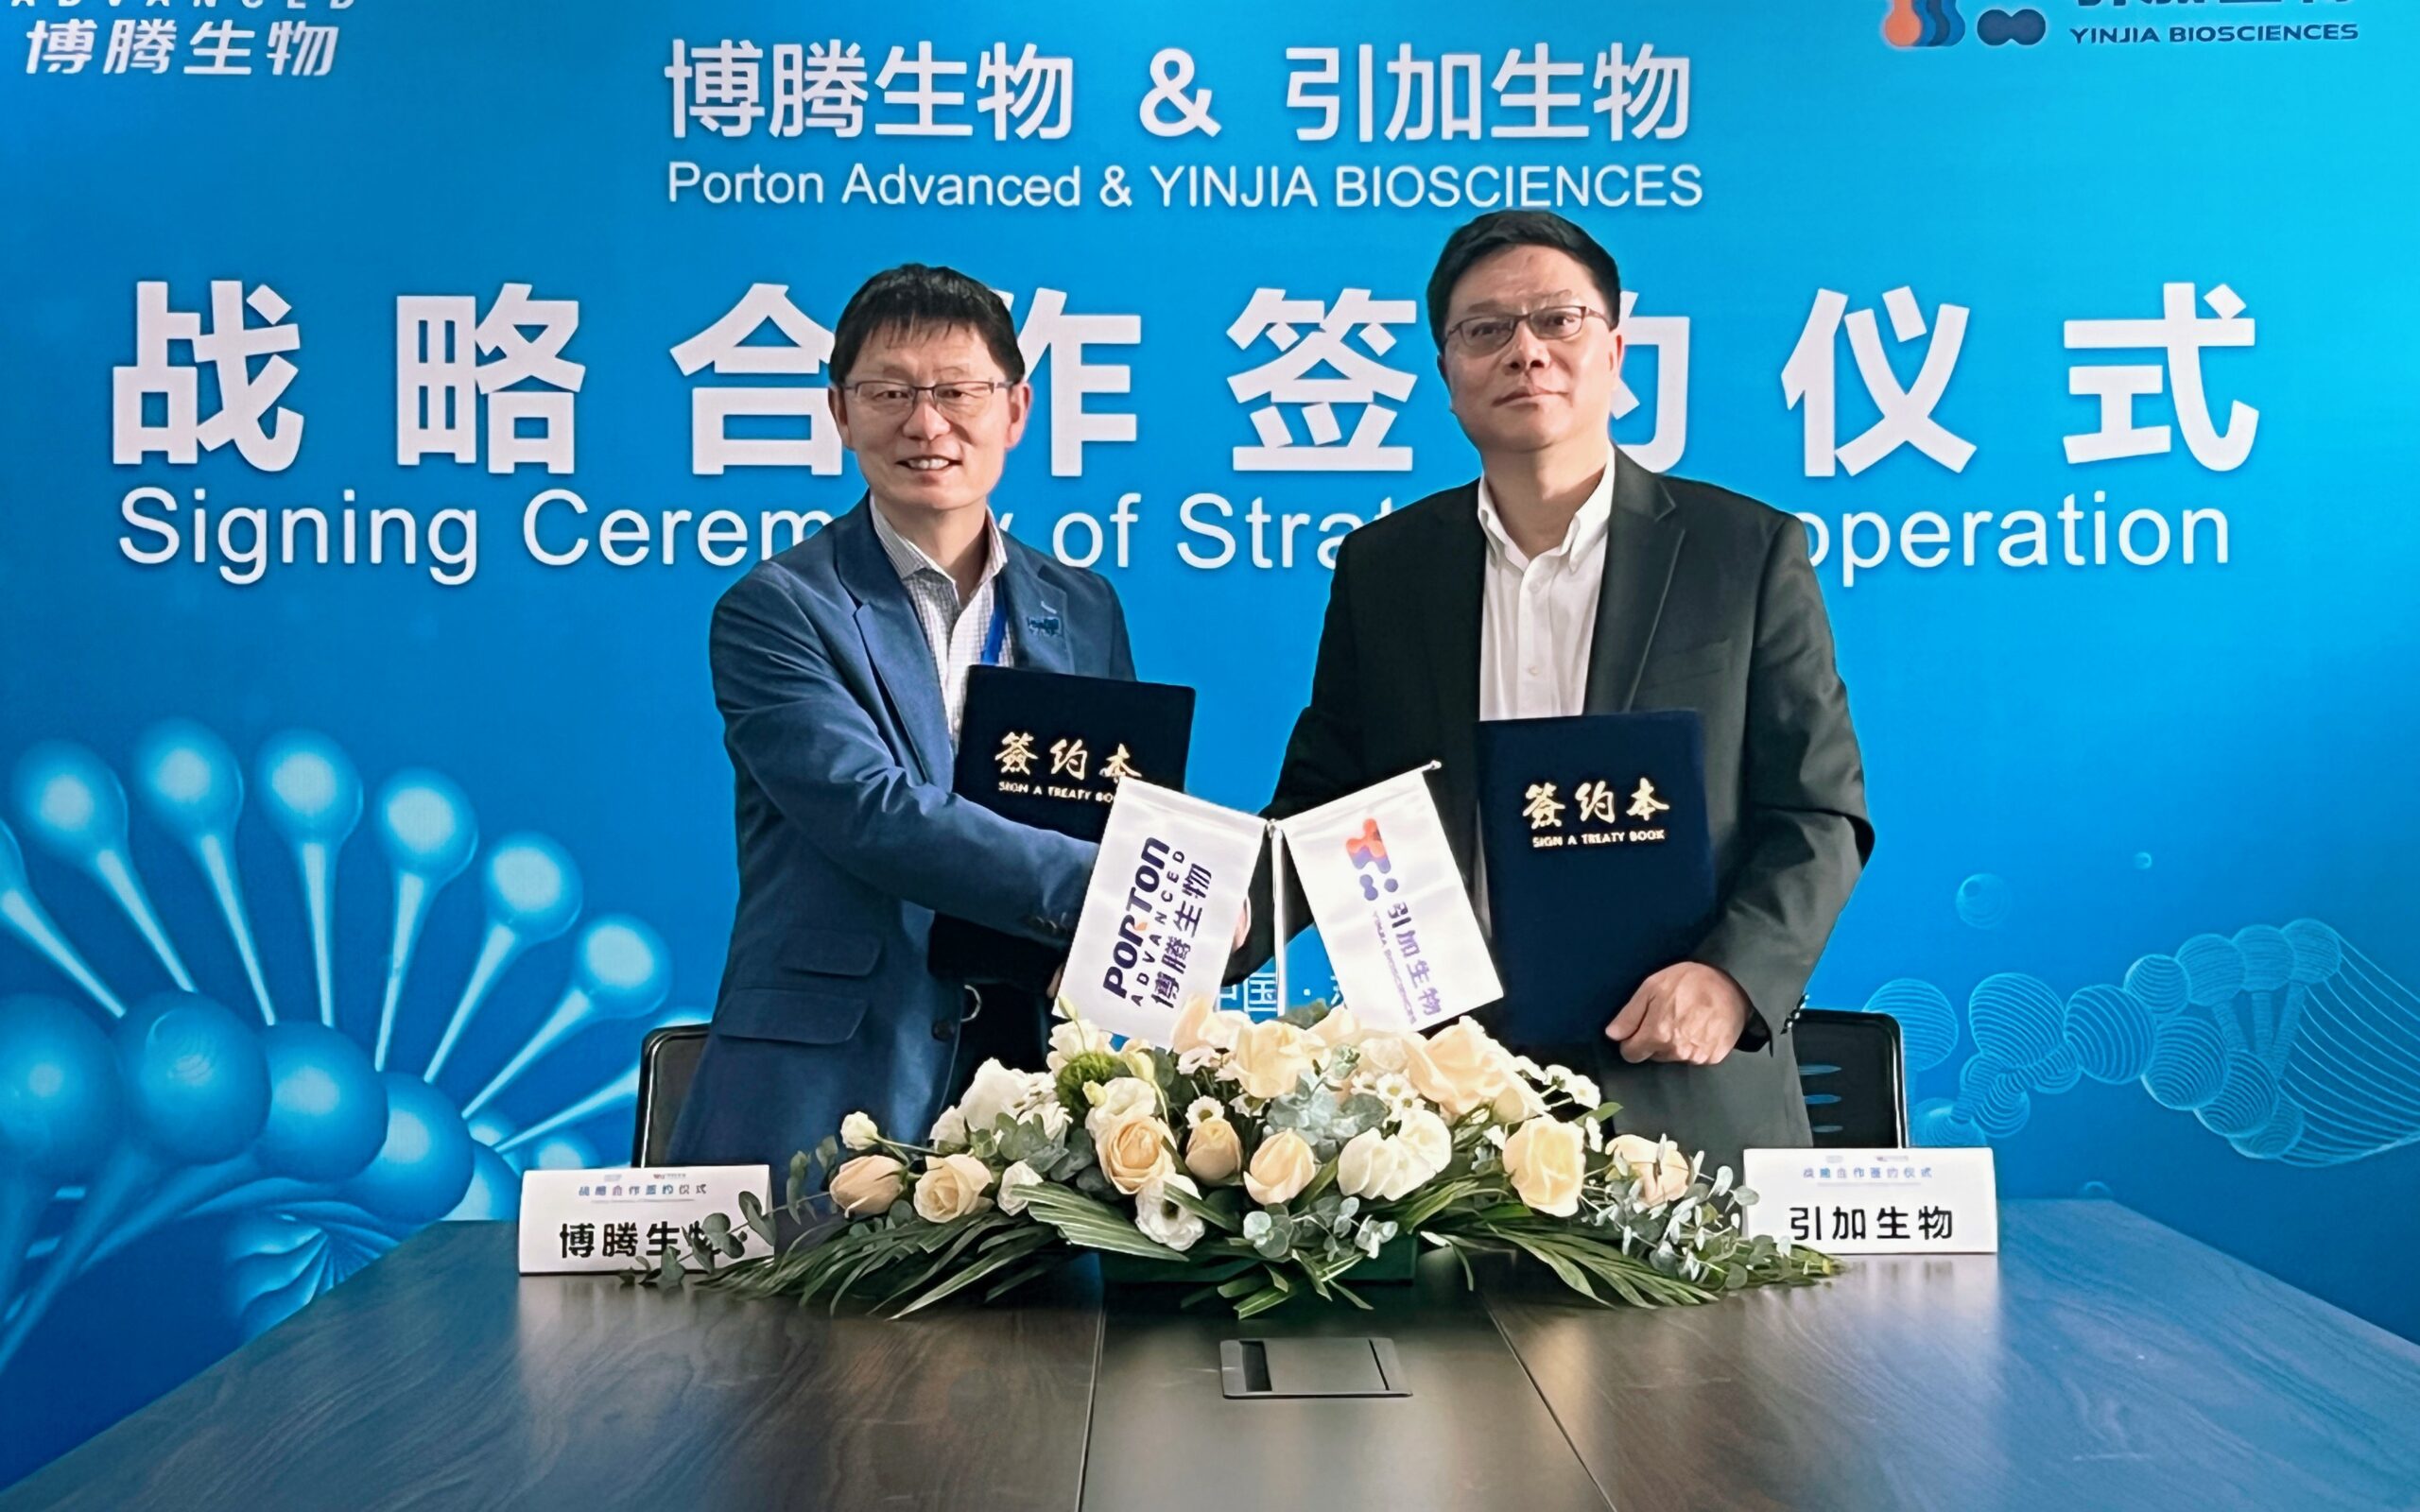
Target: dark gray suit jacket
(1708,604)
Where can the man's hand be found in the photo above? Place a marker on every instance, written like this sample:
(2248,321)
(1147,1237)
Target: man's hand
(1243,929)
(1691,1012)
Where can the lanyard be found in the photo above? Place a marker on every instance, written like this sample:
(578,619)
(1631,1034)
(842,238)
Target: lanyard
(995,640)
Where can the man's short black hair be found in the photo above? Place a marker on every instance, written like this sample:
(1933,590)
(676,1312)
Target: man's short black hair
(916,297)
(1500,228)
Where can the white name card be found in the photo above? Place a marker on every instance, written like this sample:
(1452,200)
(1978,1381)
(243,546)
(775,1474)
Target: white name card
(1877,1202)
(619,1220)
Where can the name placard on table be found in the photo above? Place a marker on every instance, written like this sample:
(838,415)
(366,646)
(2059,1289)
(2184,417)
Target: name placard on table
(1877,1202)
(626,1219)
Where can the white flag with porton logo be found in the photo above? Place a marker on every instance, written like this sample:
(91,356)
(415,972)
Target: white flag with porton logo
(1160,915)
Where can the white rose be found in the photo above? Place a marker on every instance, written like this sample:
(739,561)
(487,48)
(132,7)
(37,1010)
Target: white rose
(1162,1220)
(1117,1098)
(1374,1167)
(951,1187)
(1659,1171)
(1282,1166)
(1133,1151)
(858,1132)
(867,1186)
(1429,1142)
(1546,1164)
(995,1090)
(948,1130)
(1013,1182)
(1269,1058)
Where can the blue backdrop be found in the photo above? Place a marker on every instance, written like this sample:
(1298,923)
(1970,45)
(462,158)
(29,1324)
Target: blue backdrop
(490,276)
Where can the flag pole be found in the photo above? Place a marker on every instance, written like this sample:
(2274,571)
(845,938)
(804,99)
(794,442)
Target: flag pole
(1277,906)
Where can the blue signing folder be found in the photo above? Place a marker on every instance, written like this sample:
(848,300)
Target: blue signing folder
(1600,866)
(1049,748)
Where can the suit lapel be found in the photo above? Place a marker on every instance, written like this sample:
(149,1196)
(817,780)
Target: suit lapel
(1037,618)
(1450,623)
(1642,544)
(894,641)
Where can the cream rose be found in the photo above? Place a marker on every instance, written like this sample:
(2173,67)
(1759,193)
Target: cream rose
(1338,1029)
(1282,1167)
(1270,1058)
(1660,1171)
(858,1132)
(1546,1160)
(1202,1025)
(1429,1142)
(1214,1152)
(1373,1166)
(1385,1053)
(1517,1103)
(867,1186)
(952,1187)
(1460,1068)
(1133,1151)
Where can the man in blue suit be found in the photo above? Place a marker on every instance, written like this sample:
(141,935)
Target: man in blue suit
(840,668)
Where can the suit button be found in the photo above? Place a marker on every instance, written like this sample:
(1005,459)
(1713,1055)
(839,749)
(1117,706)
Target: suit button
(941,1027)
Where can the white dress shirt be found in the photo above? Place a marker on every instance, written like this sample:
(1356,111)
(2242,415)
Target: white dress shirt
(1541,612)
(1538,619)
(954,630)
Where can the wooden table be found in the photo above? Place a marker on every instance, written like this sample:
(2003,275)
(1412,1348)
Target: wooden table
(2101,1360)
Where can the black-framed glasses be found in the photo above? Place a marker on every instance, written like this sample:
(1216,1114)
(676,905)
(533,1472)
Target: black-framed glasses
(1480,334)
(959,398)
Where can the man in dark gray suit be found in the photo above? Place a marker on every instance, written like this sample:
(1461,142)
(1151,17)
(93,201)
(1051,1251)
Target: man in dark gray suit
(1569,580)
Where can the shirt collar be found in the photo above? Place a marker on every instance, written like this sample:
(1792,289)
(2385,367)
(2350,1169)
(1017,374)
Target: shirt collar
(1586,527)
(907,558)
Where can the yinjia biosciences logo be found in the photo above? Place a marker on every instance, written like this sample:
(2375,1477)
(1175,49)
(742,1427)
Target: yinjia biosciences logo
(2135,23)
(1937,24)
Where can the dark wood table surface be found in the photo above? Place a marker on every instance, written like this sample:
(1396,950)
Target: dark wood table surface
(2101,1360)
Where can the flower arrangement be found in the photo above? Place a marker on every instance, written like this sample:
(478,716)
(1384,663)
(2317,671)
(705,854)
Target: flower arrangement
(1264,1161)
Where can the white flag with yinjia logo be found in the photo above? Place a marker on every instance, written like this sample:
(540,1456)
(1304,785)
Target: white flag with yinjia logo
(1160,916)
(1390,906)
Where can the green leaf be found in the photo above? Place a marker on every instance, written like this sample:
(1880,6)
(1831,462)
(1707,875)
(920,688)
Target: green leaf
(1093,1225)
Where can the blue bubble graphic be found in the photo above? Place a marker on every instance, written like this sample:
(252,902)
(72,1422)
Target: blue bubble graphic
(1928,1021)
(2014,1018)
(2111,1032)
(1984,900)
(2189,1062)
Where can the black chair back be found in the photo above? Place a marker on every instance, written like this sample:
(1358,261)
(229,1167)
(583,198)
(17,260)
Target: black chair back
(1854,1073)
(667,1061)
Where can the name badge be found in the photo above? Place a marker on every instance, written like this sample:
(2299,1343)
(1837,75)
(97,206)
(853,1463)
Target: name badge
(1877,1202)
(619,1220)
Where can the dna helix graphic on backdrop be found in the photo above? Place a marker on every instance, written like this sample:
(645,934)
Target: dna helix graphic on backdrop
(2288,1042)
(319,1149)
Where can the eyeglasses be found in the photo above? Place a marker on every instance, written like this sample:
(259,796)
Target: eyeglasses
(1483,333)
(961,399)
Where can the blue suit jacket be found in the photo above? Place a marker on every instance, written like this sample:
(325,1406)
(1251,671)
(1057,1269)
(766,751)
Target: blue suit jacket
(851,840)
